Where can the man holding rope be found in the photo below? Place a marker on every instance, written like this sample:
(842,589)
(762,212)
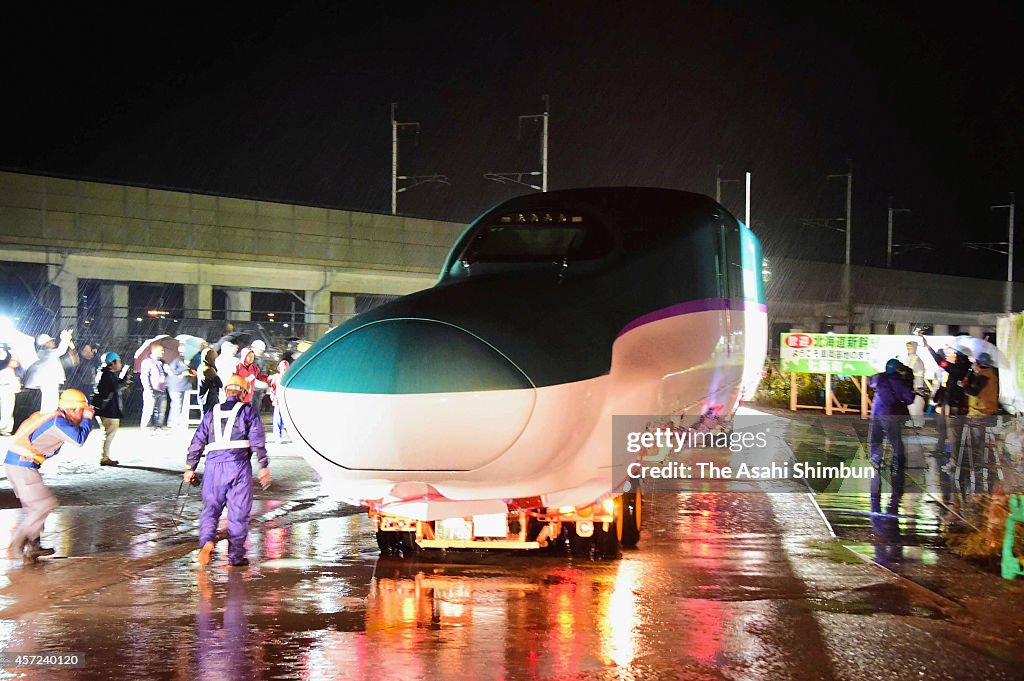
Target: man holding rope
(228,435)
(39,438)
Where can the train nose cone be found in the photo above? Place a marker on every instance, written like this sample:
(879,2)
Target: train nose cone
(408,395)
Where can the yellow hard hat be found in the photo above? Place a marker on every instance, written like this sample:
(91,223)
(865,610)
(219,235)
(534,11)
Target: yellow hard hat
(236,382)
(73,399)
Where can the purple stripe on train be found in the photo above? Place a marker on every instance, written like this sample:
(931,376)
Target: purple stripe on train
(689,307)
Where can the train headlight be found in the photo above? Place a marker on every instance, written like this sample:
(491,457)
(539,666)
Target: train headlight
(585,528)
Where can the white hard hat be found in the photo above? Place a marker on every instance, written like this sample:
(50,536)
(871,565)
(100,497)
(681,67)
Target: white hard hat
(44,338)
(258,346)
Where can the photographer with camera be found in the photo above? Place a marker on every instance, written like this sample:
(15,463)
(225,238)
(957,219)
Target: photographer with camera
(113,378)
(951,399)
(889,410)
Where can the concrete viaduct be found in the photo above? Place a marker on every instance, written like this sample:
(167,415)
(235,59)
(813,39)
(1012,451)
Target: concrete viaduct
(123,235)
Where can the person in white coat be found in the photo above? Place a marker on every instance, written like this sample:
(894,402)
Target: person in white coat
(10,386)
(916,364)
(225,364)
(47,373)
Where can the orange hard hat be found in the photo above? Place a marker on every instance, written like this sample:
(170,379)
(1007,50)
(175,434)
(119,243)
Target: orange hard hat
(72,399)
(236,382)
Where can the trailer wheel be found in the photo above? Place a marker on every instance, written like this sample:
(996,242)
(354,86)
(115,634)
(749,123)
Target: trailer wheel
(407,542)
(629,518)
(387,542)
(580,547)
(606,543)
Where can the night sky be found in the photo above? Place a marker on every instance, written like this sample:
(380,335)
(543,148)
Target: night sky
(292,104)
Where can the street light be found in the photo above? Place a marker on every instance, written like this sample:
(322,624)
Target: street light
(718,191)
(888,250)
(849,205)
(994,247)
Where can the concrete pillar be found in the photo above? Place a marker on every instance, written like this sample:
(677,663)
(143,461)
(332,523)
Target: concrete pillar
(114,309)
(976,331)
(901,328)
(343,308)
(861,328)
(198,301)
(68,284)
(239,305)
(940,330)
(318,313)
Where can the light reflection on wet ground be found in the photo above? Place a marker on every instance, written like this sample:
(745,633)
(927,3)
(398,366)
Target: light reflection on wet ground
(896,518)
(710,595)
(724,585)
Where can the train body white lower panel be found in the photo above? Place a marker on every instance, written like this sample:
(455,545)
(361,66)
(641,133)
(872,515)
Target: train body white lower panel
(553,442)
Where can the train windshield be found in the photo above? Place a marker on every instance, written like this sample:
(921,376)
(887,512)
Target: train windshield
(537,243)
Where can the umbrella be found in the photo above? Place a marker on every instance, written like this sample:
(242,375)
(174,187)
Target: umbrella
(193,346)
(170,349)
(240,338)
(298,345)
(969,345)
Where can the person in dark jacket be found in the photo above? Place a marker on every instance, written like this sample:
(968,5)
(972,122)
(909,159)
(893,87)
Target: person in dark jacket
(82,375)
(982,388)
(210,383)
(888,412)
(112,380)
(951,398)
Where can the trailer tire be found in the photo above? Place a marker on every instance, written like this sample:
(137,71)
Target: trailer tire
(387,542)
(407,542)
(606,543)
(630,518)
(580,547)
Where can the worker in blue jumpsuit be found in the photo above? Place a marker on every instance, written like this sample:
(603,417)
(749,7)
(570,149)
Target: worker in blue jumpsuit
(39,438)
(228,436)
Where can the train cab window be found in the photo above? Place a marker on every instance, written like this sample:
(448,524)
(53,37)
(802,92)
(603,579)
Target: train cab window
(515,243)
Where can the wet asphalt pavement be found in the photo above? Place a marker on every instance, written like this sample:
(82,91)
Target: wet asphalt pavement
(724,585)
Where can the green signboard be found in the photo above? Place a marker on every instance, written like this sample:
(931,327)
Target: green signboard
(847,354)
(852,354)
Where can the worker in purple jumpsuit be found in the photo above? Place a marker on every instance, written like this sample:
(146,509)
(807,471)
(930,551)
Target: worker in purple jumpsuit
(228,435)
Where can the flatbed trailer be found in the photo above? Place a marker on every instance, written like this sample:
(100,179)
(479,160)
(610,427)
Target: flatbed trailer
(598,529)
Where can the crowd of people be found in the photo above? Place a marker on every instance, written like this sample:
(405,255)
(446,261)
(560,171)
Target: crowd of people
(230,433)
(964,395)
(165,379)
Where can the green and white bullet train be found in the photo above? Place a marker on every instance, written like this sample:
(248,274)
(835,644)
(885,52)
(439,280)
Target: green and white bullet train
(478,413)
